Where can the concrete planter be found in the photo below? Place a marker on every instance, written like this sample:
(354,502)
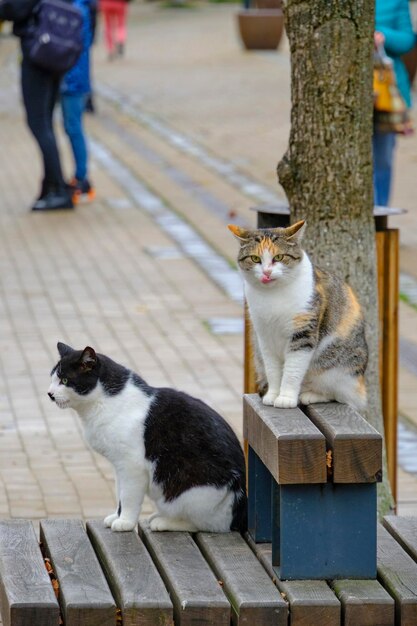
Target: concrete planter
(261,29)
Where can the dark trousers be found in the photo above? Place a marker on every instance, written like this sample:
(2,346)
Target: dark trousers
(40,91)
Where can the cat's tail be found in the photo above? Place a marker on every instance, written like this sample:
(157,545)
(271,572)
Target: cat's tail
(240,505)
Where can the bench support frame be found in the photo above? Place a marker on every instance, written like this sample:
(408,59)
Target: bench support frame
(318,531)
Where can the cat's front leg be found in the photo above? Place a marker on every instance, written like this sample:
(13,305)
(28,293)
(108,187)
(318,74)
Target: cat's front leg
(295,367)
(132,483)
(108,521)
(273,373)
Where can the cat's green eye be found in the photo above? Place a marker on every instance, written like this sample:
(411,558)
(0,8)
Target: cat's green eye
(64,381)
(256,259)
(278,258)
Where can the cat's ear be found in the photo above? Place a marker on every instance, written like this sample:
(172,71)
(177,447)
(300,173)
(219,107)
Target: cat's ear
(88,359)
(296,231)
(63,349)
(240,233)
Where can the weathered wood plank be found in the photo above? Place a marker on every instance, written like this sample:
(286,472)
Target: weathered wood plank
(26,594)
(195,592)
(254,599)
(312,602)
(84,594)
(132,576)
(364,603)
(398,574)
(287,442)
(356,446)
(404,530)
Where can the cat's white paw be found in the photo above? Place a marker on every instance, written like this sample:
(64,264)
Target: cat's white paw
(269,398)
(108,521)
(308,397)
(122,525)
(285,402)
(161,524)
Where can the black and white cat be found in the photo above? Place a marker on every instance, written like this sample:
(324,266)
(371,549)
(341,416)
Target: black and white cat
(160,441)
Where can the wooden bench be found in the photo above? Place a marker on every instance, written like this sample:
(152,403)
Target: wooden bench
(143,578)
(312,513)
(160,579)
(312,488)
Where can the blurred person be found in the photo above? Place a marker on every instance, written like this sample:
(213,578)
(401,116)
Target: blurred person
(114,16)
(393,28)
(90,105)
(40,90)
(75,89)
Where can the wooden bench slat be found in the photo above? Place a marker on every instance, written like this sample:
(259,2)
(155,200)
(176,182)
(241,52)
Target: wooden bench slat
(84,594)
(312,602)
(26,594)
(286,441)
(132,576)
(356,445)
(195,593)
(398,574)
(254,599)
(404,530)
(364,603)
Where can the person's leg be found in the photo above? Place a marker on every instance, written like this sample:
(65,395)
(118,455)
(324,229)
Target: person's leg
(115,25)
(39,91)
(383,154)
(108,28)
(72,111)
(121,32)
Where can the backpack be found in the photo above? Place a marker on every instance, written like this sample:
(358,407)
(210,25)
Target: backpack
(54,37)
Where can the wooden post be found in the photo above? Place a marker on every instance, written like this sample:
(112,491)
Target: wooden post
(387,244)
(249,385)
(387,241)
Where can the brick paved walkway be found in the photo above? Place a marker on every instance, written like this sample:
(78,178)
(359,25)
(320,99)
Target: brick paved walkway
(199,122)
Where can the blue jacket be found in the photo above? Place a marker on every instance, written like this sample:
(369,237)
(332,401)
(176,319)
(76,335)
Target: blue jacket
(77,80)
(392,18)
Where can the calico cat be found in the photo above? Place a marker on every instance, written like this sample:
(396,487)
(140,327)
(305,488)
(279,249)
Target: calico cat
(309,335)
(160,441)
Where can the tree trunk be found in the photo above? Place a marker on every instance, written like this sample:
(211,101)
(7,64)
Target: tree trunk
(327,169)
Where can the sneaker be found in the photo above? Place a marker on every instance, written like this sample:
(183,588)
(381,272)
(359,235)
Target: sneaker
(53,200)
(90,106)
(81,189)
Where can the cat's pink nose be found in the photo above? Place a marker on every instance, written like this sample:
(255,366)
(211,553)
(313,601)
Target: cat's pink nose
(267,271)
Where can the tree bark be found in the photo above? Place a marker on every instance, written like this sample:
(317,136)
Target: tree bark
(327,169)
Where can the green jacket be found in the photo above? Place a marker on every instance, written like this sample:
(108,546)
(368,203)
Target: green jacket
(392,19)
